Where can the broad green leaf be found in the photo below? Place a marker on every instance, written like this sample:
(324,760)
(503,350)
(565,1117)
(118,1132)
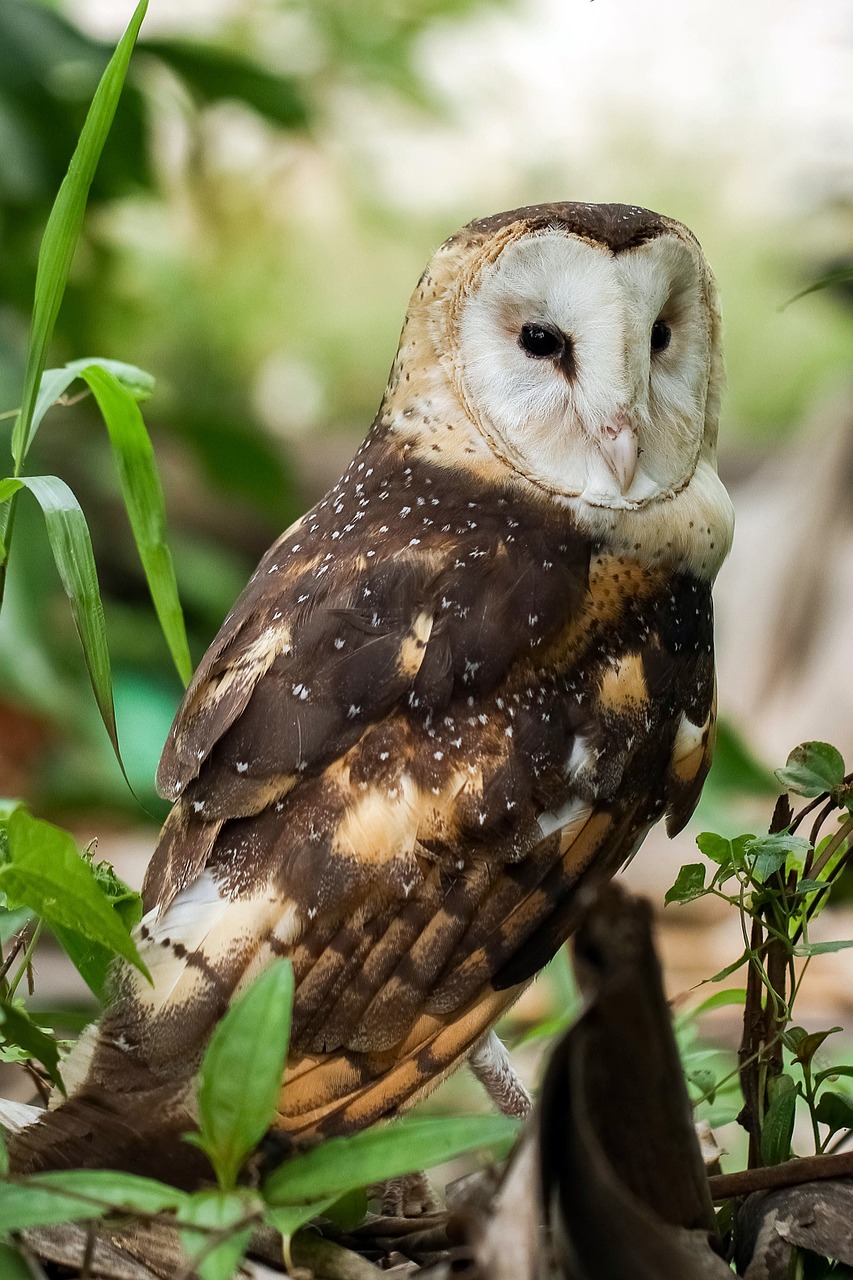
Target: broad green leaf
(689,884)
(240,1077)
(12,1265)
(705,1081)
(222,1211)
(113,1189)
(71,545)
(778,1126)
(822,948)
(18,1028)
(63,228)
(349,1210)
(728,854)
(769,854)
(55,382)
(835,1110)
(143,498)
(342,1164)
(811,769)
(93,961)
(46,872)
(48,1198)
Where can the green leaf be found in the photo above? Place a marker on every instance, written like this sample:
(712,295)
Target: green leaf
(778,1126)
(46,873)
(769,854)
(822,948)
(221,1210)
(831,1072)
(720,999)
(811,769)
(12,1265)
(728,854)
(835,1110)
(93,961)
(690,884)
(71,545)
(55,382)
(143,498)
(730,968)
(287,1219)
(805,1044)
(127,1191)
(349,1211)
(63,228)
(18,1028)
(240,1077)
(49,1198)
(4,1156)
(342,1164)
(705,1081)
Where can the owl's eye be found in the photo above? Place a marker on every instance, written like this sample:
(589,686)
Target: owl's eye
(661,334)
(539,341)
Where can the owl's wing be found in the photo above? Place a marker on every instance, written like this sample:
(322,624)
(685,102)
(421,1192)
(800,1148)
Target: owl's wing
(319,648)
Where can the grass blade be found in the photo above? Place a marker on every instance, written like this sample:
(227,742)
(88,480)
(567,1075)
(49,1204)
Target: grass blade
(71,545)
(143,498)
(63,228)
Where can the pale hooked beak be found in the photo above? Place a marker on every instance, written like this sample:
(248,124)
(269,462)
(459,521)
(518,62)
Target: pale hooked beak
(618,442)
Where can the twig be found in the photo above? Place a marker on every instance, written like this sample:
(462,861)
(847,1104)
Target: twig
(792,1173)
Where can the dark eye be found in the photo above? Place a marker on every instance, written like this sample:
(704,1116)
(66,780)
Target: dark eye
(661,334)
(540,341)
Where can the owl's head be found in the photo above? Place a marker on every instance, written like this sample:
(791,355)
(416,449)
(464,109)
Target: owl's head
(578,347)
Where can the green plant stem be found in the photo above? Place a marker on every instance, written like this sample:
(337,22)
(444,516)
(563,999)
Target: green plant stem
(28,955)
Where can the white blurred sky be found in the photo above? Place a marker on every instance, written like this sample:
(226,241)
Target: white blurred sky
(753,94)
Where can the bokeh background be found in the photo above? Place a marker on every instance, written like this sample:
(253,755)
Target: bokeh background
(278,174)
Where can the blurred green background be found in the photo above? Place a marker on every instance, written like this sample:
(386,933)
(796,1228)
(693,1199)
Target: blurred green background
(277,176)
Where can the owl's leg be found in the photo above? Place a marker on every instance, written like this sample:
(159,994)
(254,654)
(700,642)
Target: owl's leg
(492,1067)
(408,1197)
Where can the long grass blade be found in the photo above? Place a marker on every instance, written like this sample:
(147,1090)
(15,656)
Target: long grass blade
(143,498)
(63,228)
(68,535)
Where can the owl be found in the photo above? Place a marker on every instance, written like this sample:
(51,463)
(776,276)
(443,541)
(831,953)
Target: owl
(457,691)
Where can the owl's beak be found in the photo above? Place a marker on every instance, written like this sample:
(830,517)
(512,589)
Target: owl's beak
(618,441)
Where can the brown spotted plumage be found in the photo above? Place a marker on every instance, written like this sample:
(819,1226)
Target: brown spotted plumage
(463,685)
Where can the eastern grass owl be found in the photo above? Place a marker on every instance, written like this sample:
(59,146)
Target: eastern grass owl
(462,686)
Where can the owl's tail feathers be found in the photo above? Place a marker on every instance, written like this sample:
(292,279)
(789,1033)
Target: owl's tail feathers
(334,1094)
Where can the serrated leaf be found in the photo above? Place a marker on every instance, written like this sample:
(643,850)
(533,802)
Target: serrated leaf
(342,1164)
(778,1126)
(811,769)
(64,224)
(68,535)
(715,847)
(222,1211)
(689,884)
(240,1077)
(143,498)
(835,1110)
(46,873)
(18,1028)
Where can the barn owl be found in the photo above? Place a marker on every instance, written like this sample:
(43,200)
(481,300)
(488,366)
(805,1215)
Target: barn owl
(459,689)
